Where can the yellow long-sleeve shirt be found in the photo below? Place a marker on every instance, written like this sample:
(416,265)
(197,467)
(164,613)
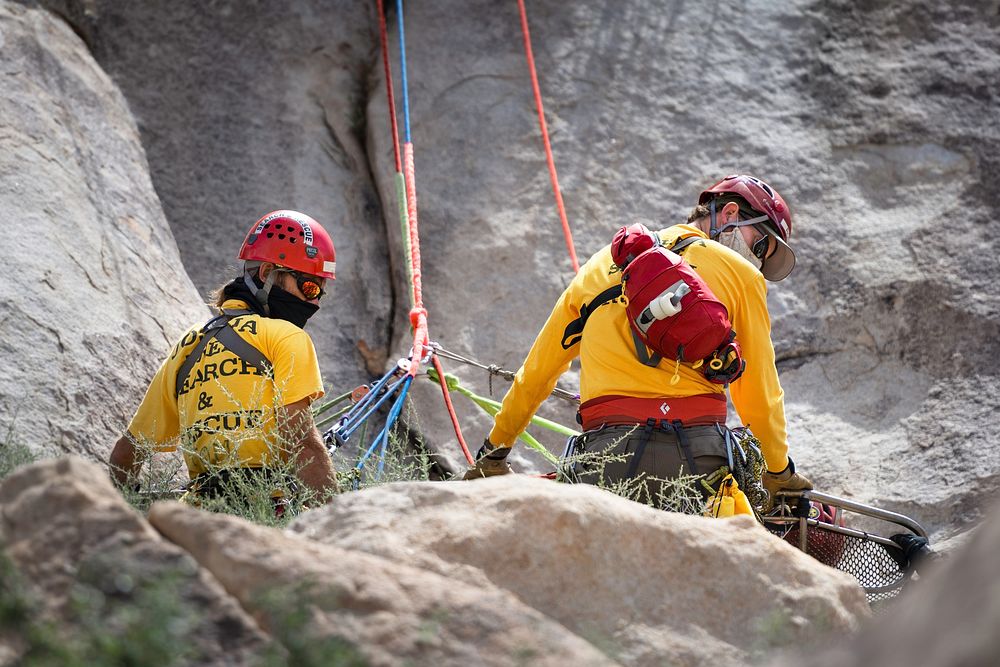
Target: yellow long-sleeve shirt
(608,362)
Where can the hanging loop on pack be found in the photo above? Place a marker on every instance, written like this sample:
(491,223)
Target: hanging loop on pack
(726,364)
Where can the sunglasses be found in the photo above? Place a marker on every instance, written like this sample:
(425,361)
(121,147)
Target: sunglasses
(760,246)
(310,286)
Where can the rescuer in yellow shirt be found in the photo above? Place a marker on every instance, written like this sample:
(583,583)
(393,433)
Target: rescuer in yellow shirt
(235,393)
(743,226)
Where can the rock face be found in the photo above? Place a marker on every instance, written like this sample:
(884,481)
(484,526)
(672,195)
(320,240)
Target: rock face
(648,587)
(391,611)
(872,121)
(95,293)
(495,572)
(71,535)
(876,122)
(246,108)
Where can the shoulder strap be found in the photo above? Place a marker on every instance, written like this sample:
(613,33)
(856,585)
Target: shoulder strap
(642,352)
(574,330)
(218,327)
(236,344)
(680,245)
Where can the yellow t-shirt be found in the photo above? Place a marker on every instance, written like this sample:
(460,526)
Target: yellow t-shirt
(608,362)
(224,415)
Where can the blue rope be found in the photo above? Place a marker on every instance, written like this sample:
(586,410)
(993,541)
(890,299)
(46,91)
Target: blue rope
(402,67)
(346,430)
(357,408)
(383,436)
(391,421)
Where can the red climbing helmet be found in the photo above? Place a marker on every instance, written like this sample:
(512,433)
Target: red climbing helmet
(764,199)
(293,240)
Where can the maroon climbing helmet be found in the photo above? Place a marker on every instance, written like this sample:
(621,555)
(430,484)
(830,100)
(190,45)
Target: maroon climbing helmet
(765,200)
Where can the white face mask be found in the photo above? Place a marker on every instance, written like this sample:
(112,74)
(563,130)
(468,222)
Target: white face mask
(735,241)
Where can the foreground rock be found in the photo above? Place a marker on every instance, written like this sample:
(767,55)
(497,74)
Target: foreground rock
(388,610)
(95,294)
(647,587)
(99,569)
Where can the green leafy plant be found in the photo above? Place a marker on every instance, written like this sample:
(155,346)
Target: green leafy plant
(288,614)
(112,619)
(13,454)
(676,494)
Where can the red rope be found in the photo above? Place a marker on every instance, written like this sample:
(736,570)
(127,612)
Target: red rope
(545,138)
(418,315)
(451,410)
(384,36)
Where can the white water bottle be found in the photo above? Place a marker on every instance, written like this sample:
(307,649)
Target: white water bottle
(663,306)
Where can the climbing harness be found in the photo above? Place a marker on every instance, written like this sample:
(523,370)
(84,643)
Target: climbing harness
(612,410)
(881,549)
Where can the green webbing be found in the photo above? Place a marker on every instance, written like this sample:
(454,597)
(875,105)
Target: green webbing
(404,222)
(320,409)
(492,407)
(334,417)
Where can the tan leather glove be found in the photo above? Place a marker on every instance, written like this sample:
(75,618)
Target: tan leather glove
(490,460)
(786,480)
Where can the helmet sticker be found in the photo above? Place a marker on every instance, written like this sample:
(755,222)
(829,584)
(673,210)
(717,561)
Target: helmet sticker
(307,230)
(264,221)
(311,251)
(329,267)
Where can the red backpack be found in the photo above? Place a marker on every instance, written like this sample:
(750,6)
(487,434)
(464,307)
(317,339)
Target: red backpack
(670,309)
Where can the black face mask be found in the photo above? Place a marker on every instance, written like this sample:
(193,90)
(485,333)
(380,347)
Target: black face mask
(286,306)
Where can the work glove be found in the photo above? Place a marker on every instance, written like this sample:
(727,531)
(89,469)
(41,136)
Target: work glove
(490,460)
(786,480)
(913,552)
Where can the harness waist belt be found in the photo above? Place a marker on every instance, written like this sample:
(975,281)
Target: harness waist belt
(621,410)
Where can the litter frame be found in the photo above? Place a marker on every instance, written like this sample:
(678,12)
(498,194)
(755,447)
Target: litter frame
(791,517)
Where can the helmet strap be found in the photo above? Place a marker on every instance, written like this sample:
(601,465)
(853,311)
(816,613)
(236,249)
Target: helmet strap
(712,229)
(744,223)
(260,293)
